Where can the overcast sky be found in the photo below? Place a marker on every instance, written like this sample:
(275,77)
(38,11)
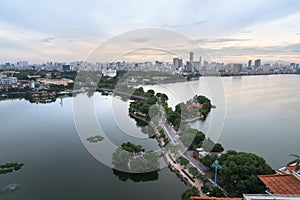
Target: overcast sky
(229,30)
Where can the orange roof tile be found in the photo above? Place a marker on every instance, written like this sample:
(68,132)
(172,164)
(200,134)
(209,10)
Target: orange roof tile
(214,198)
(281,184)
(197,105)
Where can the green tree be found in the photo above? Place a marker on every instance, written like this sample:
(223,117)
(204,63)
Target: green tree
(121,158)
(239,171)
(132,148)
(190,192)
(215,192)
(208,160)
(194,171)
(192,138)
(218,148)
(183,161)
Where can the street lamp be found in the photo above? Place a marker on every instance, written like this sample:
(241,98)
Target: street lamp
(216,166)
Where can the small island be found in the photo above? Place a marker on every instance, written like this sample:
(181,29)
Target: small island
(134,159)
(10,167)
(94,139)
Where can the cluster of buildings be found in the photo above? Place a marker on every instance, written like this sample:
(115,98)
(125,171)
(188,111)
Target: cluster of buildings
(191,67)
(7,80)
(185,67)
(254,67)
(86,66)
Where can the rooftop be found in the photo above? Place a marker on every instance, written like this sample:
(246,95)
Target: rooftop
(270,197)
(282,184)
(214,198)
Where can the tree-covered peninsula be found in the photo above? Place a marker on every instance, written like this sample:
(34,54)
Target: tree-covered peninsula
(134,159)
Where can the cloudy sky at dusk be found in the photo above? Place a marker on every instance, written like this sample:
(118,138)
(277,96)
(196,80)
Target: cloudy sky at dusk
(229,30)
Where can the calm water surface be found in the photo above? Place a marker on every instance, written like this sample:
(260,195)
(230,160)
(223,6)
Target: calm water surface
(261,115)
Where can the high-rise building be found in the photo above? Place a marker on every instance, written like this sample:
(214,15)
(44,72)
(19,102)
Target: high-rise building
(180,63)
(200,60)
(266,67)
(176,63)
(249,63)
(191,57)
(189,67)
(293,65)
(237,68)
(257,63)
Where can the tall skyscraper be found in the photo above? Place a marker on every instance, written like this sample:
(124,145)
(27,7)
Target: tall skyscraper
(191,57)
(257,63)
(180,63)
(175,63)
(200,61)
(249,63)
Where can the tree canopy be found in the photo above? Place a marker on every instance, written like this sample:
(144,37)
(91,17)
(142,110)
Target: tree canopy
(132,148)
(190,192)
(131,159)
(192,138)
(239,170)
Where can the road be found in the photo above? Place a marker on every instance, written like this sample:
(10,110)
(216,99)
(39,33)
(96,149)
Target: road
(174,139)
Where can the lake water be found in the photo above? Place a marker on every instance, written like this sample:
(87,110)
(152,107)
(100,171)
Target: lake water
(58,166)
(257,114)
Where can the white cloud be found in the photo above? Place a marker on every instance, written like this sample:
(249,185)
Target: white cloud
(67,29)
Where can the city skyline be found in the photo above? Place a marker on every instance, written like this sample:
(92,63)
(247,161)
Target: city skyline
(232,31)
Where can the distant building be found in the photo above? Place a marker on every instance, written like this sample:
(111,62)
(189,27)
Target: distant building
(109,73)
(189,67)
(180,63)
(237,68)
(63,81)
(266,67)
(7,66)
(8,80)
(257,63)
(191,57)
(249,63)
(176,63)
(200,60)
(66,67)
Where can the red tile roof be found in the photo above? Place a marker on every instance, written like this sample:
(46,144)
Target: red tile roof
(197,105)
(282,184)
(214,198)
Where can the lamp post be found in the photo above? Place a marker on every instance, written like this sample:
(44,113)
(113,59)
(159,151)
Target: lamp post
(216,166)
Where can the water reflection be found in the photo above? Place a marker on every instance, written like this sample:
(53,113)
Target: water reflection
(141,177)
